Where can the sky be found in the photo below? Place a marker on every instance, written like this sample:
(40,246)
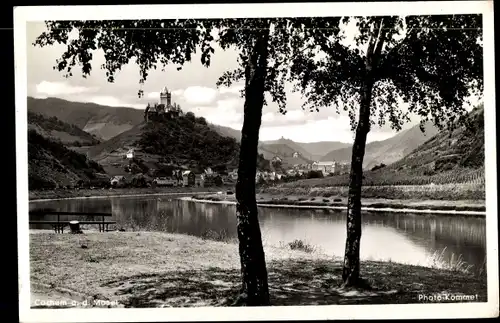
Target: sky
(194,88)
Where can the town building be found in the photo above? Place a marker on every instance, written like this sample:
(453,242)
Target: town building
(199,180)
(325,167)
(342,168)
(188,178)
(117,181)
(276,159)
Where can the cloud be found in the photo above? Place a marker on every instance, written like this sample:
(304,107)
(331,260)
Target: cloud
(153,95)
(225,112)
(199,95)
(178,92)
(46,88)
(235,89)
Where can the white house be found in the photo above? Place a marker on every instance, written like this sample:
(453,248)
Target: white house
(117,180)
(325,167)
(130,153)
(234,174)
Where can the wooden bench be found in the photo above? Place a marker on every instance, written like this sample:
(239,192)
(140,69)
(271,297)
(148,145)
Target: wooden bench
(59,224)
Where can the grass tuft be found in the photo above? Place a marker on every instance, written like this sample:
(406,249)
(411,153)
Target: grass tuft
(455,263)
(298,244)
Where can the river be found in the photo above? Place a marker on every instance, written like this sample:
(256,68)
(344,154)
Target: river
(404,238)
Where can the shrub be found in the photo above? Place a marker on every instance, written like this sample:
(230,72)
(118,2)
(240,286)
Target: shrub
(301,245)
(374,168)
(314,174)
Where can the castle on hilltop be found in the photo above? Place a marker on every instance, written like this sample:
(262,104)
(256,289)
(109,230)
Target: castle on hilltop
(164,109)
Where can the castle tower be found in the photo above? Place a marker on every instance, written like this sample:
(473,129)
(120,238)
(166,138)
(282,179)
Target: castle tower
(166,98)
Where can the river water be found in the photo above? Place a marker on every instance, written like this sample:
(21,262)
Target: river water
(399,237)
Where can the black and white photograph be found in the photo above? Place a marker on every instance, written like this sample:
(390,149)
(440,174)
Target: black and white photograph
(256,161)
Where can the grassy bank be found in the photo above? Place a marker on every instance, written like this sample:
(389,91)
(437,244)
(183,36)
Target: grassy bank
(447,192)
(267,199)
(69,193)
(145,269)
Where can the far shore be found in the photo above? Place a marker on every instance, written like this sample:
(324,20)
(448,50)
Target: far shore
(469,208)
(60,194)
(156,269)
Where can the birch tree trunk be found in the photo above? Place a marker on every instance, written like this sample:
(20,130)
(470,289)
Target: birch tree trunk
(350,272)
(253,264)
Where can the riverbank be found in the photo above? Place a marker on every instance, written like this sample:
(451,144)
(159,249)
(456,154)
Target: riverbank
(92,193)
(465,207)
(154,269)
(317,188)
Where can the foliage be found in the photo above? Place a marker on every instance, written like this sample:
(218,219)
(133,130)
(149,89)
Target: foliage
(431,62)
(263,164)
(50,162)
(190,116)
(277,164)
(201,121)
(184,140)
(138,180)
(314,174)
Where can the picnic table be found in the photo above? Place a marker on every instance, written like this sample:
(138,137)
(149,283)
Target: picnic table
(59,224)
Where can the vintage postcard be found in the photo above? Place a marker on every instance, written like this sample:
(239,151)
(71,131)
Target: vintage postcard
(256,161)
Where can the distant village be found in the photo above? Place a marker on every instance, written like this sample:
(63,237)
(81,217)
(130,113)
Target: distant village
(186,178)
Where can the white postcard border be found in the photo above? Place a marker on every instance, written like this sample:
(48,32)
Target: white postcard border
(22,15)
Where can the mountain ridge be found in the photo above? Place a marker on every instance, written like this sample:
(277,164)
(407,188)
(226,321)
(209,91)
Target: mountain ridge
(389,150)
(102,121)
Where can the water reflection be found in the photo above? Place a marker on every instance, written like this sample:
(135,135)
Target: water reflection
(404,238)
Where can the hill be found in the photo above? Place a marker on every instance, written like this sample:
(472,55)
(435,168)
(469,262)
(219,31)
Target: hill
(387,151)
(51,164)
(318,149)
(284,148)
(287,146)
(55,129)
(102,121)
(285,152)
(448,150)
(184,142)
(226,131)
(310,150)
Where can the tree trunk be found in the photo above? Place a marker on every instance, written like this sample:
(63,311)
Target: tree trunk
(253,264)
(350,272)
